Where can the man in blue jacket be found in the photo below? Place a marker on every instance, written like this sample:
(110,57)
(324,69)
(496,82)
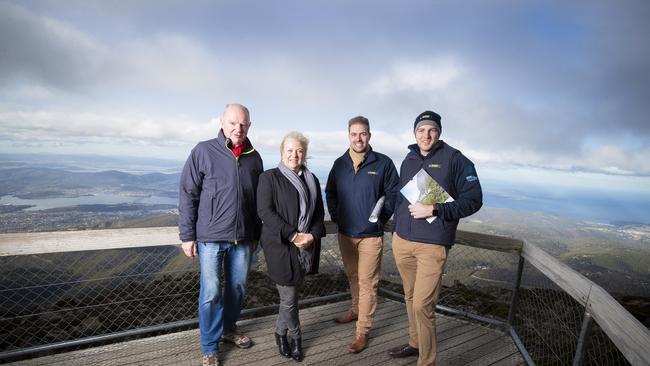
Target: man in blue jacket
(420,247)
(218,222)
(358,179)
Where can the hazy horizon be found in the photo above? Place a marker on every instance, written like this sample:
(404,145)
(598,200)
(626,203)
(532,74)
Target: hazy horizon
(590,204)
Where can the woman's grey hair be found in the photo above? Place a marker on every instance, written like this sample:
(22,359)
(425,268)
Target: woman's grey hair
(302,139)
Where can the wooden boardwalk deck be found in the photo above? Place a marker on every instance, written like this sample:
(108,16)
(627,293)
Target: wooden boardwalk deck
(460,342)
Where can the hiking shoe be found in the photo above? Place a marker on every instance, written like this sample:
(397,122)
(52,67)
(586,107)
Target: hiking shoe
(211,359)
(237,338)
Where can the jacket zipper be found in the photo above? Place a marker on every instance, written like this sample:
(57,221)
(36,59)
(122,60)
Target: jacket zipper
(238,202)
(237,165)
(237,197)
(411,219)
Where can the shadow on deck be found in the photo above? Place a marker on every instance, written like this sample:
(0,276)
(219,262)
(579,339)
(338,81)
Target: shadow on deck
(460,342)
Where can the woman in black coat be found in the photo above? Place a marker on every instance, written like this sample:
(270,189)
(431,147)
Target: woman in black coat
(290,204)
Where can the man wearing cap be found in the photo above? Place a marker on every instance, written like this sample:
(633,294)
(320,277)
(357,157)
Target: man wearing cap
(358,179)
(420,247)
(218,222)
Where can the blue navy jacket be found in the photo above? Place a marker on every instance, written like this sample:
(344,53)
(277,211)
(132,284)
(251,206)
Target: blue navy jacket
(352,196)
(457,175)
(217,193)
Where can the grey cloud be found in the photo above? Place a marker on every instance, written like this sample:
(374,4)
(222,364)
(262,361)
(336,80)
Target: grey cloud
(43,50)
(549,78)
(595,68)
(546,77)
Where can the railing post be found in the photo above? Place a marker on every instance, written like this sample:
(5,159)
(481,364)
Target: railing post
(515,293)
(585,331)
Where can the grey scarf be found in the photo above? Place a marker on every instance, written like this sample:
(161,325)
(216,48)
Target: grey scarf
(307,197)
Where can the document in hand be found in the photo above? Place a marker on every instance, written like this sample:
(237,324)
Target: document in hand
(374,215)
(424,189)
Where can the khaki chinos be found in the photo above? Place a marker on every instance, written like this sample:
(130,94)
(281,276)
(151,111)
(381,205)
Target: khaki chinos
(362,263)
(421,266)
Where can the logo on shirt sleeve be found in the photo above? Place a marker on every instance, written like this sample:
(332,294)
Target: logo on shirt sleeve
(471,173)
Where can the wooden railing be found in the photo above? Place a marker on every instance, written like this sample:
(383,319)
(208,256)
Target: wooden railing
(630,336)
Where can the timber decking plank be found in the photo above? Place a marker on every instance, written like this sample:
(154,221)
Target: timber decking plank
(381,339)
(378,347)
(474,350)
(325,343)
(327,330)
(328,348)
(446,331)
(261,332)
(497,354)
(513,359)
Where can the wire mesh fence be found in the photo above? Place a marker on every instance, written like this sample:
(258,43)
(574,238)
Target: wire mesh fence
(61,297)
(51,298)
(476,280)
(548,321)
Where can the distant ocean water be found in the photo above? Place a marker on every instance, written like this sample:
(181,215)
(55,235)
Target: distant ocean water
(600,206)
(592,206)
(578,204)
(605,207)
(95,199)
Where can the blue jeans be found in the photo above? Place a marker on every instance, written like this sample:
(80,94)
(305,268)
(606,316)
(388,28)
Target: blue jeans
(219,309)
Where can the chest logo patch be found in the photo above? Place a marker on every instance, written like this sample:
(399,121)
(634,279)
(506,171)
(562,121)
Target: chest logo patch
(434,165)
(372,172)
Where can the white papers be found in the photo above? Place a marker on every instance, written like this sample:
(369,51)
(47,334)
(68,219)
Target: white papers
(374,215)
(424,189)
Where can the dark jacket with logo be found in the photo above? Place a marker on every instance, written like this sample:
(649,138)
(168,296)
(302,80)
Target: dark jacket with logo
(352,196)
(457,175)
(278,205)
(217,193)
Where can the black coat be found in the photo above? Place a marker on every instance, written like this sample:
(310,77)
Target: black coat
(278,206)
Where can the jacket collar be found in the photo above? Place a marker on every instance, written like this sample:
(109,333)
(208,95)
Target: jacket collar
(369,158)
(223,141)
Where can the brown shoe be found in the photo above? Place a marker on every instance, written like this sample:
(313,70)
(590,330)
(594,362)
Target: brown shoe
(402,351)
(359,343)
(347,317)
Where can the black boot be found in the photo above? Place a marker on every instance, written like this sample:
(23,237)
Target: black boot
(283,345)
(296,349)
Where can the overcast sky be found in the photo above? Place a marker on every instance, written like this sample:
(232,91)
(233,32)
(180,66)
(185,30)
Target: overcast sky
(545,86)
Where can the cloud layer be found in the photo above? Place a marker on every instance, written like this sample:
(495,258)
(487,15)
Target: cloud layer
(553,86)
